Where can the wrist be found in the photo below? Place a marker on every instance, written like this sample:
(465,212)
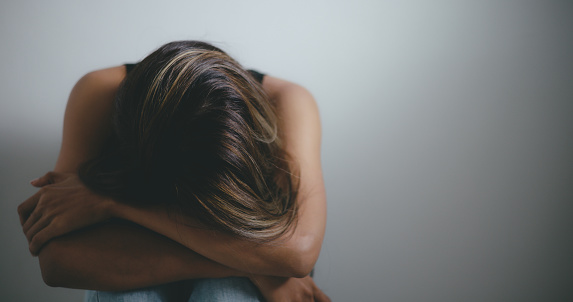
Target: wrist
(253,278)
(263,280)
(113,208)
(256,280)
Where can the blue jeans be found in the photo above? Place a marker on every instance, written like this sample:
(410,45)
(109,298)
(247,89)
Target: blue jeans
(224,289)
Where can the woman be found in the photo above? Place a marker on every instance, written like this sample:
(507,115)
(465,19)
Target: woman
(185,168)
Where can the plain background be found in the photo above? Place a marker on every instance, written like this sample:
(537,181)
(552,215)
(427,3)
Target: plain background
(448,130)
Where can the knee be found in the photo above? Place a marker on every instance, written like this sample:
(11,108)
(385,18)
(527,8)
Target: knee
(224,289)
(160,293)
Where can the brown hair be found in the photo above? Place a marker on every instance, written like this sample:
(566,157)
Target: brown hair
(195,129)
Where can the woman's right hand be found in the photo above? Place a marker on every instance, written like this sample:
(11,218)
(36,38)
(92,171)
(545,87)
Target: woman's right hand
(63,204)
(278,289)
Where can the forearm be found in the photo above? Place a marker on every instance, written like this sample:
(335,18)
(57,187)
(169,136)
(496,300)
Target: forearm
(292,255)
(122,256)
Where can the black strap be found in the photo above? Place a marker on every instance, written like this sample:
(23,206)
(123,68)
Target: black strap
(257,75)
(129,67)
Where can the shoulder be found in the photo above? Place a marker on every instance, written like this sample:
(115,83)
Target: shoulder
(87,120)
(110,74)
(107,78)
(95,91)
(299,120)
(294,103)
(279,89)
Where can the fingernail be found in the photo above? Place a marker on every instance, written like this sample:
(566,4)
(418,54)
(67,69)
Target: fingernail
(33,181)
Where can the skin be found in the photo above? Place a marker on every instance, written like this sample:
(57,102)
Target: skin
(85,240)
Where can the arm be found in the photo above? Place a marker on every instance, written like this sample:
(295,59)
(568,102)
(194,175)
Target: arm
(122,256)
(110,256)
(294,255)
(139,258)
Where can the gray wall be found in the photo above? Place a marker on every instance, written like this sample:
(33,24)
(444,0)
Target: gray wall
(448,130)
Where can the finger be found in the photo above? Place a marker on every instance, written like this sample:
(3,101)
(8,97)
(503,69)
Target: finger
(25,208)
(319,295)
(48,178)
(39,240)
(36,228)
(32,219)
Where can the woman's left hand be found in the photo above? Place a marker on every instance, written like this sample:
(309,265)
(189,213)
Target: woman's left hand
(281,289)
(63,204)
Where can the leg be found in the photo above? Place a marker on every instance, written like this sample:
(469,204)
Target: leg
(225,289)
(174,292)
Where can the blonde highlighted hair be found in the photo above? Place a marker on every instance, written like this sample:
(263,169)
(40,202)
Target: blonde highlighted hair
(193,128)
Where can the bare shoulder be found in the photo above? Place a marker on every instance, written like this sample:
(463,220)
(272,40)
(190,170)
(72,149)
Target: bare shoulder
(95,88)
(299,120)
(87,121)
(296,108)
(106,75)
(97,80)
(288,94)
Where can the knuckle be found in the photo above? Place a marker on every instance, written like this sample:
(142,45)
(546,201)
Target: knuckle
(39,206)
(21,209)
(31,238)
(44,200)
(32,217)
(33,243)
(306,295)
(37,240)
(56,222)
(25,225)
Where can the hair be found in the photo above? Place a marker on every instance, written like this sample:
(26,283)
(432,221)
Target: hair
(192,128)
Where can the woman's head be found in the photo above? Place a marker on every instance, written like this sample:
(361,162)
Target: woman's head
(194,129)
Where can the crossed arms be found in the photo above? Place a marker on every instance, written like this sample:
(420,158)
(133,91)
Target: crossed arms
(115,246)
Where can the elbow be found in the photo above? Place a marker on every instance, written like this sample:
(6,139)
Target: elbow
(59,267)
(50,281)
(51,265)
(305,256)
(303,267)
(300,271)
